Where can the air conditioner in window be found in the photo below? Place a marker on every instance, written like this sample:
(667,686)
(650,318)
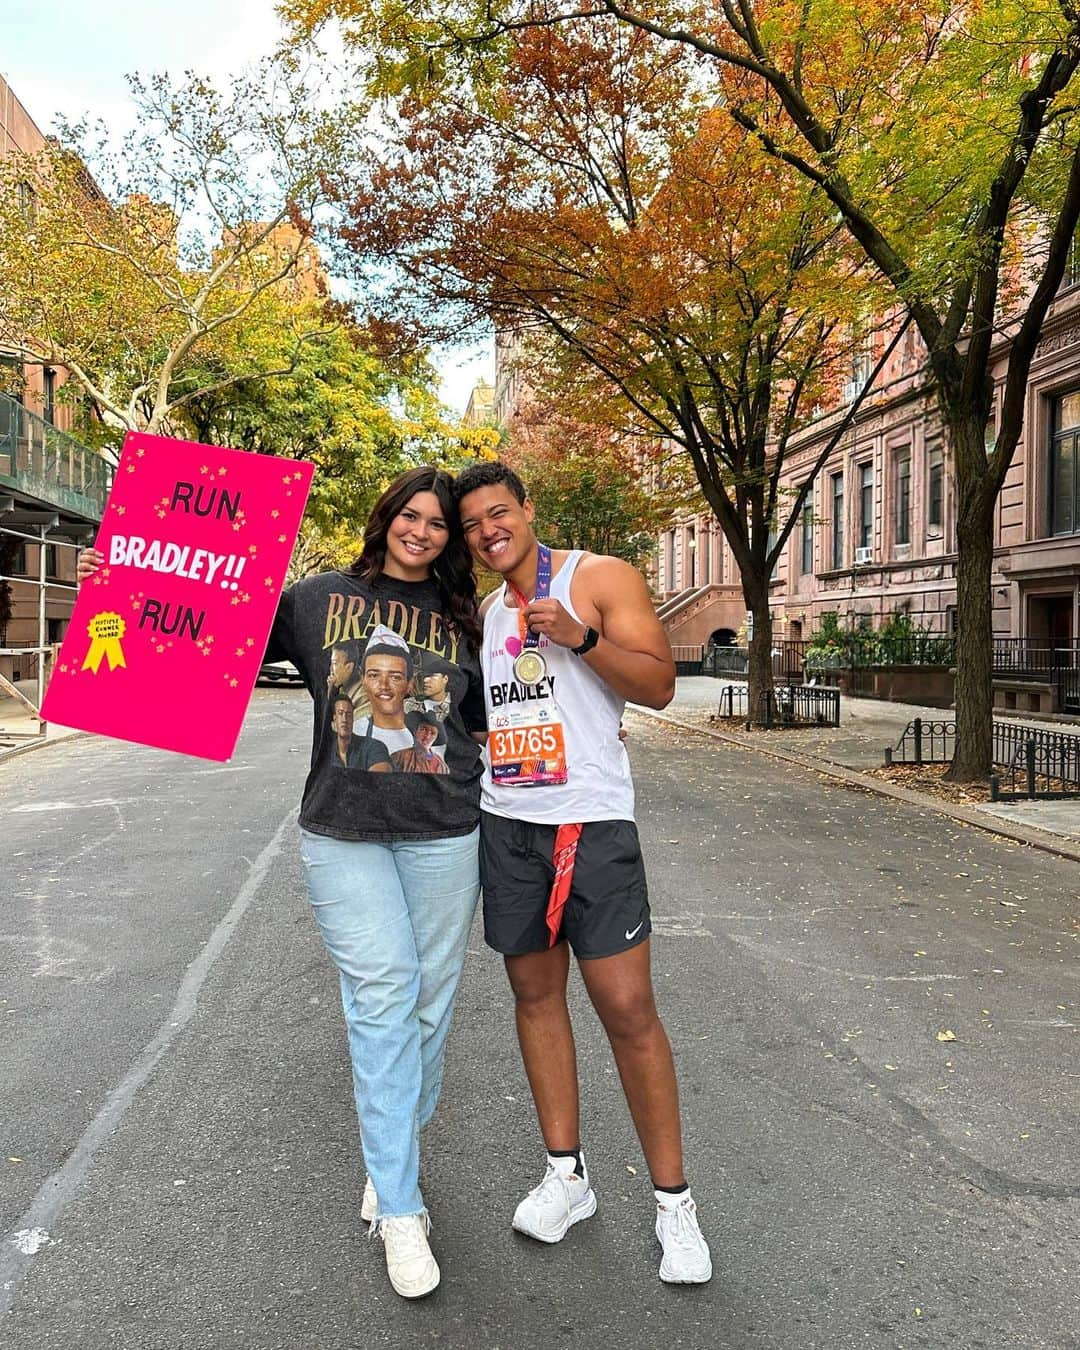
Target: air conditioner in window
(863,557)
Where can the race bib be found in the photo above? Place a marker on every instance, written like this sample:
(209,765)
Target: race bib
(526,747)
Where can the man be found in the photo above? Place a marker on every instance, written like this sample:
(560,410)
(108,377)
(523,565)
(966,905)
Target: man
(354,752)
(343,675)
(567,640)
(387,672)
(434,680)
(423,757)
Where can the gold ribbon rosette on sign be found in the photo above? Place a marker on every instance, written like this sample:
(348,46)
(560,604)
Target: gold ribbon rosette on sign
(105,631)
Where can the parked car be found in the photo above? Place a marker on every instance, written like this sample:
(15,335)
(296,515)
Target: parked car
(276,671)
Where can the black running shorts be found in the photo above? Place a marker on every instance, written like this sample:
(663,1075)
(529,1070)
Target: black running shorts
(607,910)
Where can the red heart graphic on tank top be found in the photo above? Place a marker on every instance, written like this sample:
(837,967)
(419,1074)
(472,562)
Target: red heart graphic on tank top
(513,645)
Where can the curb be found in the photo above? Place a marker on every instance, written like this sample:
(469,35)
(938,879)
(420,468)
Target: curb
(1019,834)
(43,743)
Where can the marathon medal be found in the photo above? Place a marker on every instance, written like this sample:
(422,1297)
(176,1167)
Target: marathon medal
(529,666)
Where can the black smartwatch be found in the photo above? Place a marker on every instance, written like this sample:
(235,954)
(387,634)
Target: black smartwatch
(588,642)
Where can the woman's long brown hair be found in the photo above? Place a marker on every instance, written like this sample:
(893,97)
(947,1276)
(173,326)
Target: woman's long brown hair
(451,571)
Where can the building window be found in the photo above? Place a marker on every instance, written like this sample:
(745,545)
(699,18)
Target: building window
(837,481)
(27,202)
(706,555)
(1065,465)
(669,560)
(1072,265)
(691,553)
(48,401)
(935,487)
(807,560)
(903,497)
(18,562)
(866,505)
(52,560)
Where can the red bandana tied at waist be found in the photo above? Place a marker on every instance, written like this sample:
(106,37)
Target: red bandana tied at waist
(564,856)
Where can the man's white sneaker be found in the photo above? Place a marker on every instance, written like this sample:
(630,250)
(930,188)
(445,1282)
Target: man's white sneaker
(413,1270)
(369,1206)
(561,1200)
(686,1258)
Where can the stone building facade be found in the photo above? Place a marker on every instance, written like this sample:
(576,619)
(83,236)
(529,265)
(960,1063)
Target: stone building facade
(878,535)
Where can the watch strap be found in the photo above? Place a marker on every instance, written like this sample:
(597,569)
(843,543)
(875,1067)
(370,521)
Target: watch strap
(588,642)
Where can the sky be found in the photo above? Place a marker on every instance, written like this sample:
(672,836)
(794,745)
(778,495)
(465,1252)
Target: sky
(69,58)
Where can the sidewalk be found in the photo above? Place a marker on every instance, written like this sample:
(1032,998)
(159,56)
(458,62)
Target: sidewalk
(18,727)
(867,726)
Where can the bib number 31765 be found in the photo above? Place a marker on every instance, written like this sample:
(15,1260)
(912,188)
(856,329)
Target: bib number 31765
(525,752)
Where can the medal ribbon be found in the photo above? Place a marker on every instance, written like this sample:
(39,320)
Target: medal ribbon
(543,590)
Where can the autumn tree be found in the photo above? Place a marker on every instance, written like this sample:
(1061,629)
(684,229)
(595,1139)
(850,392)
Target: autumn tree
(587,485)
(693,295)
(945,138)
(124,266)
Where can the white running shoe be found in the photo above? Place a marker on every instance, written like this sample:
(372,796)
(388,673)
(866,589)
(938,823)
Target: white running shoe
(413,1270)
(369,1206)
(561,1200)
(686,1257)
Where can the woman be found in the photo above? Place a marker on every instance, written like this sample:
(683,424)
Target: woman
(389,847)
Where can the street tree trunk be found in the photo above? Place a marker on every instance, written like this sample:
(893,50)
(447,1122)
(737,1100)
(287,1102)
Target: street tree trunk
(976,498)
(760,670)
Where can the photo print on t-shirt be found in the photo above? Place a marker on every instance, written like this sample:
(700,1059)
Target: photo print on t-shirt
(382,718)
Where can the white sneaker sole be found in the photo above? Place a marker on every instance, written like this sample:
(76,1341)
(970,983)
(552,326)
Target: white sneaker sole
(584,1209)
(416,1290)
(370,1203)
(668,1278)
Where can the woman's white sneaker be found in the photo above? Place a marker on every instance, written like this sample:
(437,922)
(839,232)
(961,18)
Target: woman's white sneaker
(369,1206)
(562,1199)
(686,1258)
(413,1270)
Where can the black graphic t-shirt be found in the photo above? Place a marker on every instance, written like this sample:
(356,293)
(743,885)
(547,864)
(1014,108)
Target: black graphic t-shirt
(397,693)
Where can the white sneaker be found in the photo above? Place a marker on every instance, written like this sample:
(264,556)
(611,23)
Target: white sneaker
(413,1270)
(686,1257)
(369,1206)
(561,1200)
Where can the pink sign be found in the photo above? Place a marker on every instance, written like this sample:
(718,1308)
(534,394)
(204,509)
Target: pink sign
(167,637)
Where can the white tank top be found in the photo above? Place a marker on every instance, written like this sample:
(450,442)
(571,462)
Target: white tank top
(598,784)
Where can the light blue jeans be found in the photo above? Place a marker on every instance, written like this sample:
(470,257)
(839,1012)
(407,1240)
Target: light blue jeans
(395,919)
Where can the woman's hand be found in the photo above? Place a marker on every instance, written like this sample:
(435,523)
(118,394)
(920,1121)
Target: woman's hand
(90,559)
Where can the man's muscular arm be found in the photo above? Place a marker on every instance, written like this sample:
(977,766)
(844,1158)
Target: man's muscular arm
(633,655)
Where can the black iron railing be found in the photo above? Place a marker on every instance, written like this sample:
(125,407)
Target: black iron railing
(48,464)
(788,705)
(1045,763)
(1034,658)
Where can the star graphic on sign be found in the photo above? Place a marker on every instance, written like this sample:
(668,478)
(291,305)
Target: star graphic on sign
(232,684)
(237,526)
(222,472)
(140,452)
(298,475)
(253,549)
(282,538)
(274,515)
(245,597)
(235,600)
(63,669)
(121,510)
(269,582)
(249,642)
(205,469)
(160,512)
(160,647)
(240,651)
(130,468)
(164,501)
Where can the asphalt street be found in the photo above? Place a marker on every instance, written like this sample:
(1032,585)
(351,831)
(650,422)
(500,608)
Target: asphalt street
(874,1015)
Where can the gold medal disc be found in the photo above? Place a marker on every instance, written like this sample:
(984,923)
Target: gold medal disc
(529,666)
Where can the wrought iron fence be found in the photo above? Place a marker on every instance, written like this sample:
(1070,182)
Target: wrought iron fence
(788,705)
(1034,658)
(721,661)
(1046,762)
